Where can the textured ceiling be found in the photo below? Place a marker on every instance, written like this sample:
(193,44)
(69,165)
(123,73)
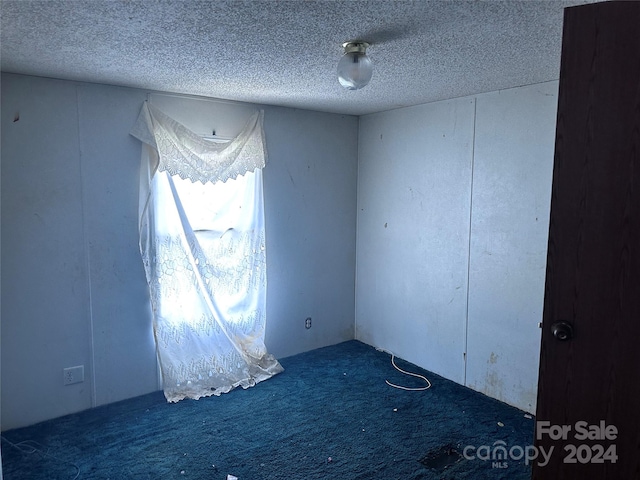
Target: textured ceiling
(286,52)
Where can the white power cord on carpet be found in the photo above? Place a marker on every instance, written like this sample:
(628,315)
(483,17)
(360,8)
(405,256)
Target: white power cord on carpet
(416,389)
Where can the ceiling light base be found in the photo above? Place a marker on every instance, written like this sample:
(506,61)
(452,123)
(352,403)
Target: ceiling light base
(355,46)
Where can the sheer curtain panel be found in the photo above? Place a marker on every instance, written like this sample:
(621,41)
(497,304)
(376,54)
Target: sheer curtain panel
(202,241)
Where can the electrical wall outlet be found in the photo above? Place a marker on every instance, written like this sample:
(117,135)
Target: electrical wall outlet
(73,375)
(307,323)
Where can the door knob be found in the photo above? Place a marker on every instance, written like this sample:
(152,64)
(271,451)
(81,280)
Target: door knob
(563,331)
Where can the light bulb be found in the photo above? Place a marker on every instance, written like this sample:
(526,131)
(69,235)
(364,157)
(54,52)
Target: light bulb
(355,68)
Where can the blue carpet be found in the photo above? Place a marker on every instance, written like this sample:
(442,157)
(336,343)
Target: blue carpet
(329,415)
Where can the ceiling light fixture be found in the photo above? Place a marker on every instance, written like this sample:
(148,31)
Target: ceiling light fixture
(355,68)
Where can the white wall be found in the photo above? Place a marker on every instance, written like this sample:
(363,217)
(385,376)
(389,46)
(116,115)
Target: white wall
(453,211)
(512,174)
(45,292)
(73,286)
(123,350)
(310,210)
(414,182)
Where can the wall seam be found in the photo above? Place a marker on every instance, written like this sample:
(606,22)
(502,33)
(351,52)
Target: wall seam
(466,324)
(87,253)
(355,273)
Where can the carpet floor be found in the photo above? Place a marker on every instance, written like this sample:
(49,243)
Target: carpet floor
(329,415)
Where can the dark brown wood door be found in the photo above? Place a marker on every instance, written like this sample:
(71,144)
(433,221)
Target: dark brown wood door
(589,385)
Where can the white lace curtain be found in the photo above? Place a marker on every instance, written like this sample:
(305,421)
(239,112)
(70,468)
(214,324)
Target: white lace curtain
(202,242)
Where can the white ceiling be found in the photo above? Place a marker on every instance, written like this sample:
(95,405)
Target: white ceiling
(286,52)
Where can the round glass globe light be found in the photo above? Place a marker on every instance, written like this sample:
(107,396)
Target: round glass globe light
(354,70)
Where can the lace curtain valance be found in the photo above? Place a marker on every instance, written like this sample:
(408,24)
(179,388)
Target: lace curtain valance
(184,153)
